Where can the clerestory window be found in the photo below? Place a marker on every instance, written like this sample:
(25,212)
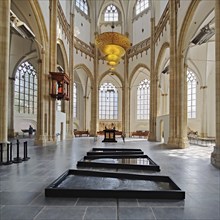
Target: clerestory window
(141,5)
(111,13)
(82,5)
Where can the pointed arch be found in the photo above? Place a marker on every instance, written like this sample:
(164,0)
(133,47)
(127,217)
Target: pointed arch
(108,72)
(64,54)
(43,41)
(86,69)
(182,44)
(140,65)
(160,56)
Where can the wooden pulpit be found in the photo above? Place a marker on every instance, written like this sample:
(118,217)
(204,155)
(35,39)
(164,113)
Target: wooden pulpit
(109,135)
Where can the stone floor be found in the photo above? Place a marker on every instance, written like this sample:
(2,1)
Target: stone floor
(22,185)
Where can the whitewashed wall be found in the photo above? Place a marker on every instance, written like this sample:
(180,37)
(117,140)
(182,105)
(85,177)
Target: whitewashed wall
(60,118)
(141,28)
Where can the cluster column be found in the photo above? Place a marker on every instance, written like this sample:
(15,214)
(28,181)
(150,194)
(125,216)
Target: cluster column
(126,101)
(71,75)
(153,87)
(94,96)
(173,73)
(4,67)
(204,112)
(215,156)
(178,88)
(53,65)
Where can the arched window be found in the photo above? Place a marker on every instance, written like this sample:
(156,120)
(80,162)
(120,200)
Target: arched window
(141,5)
(74,100)
(108,101)
(82,5)
(143,99)
(191,93)
(26,89)
(111,13)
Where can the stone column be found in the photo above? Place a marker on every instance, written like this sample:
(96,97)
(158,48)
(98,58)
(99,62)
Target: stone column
(181,110)
(173,73)
(71,75)
(164,104)
(94,96)
(53,65)
(4,67)
(204,112)
(11,95)
(125,101)
(153,87)
(42,118)
(215,156)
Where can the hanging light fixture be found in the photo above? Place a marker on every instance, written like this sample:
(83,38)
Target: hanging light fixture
(112,45)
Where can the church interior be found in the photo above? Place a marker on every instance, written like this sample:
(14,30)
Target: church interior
(132,75)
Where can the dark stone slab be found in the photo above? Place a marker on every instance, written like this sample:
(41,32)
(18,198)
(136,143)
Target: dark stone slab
(84,183)
(137,162)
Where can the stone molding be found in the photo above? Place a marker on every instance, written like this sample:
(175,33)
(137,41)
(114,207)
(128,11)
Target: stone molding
(161,26)
(63,22)
(138,48)
(84,48)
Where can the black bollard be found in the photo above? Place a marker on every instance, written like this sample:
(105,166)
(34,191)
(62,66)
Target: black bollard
(8,162)
(1,152)
(17,159)
(25,152)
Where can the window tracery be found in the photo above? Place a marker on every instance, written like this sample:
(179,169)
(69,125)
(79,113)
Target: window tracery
(108,101)
(111,13)
(191,93)
(143,99)
(25,100)
(141,5)
(82,5)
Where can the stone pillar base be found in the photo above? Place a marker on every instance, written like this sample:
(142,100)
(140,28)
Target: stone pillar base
(183,143)
(177,143)
(215,157)
(11,133)
(172,143)
(69,136)
(41,140)
(152,137)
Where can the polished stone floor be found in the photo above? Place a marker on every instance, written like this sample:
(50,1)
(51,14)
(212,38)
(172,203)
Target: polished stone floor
(22,185)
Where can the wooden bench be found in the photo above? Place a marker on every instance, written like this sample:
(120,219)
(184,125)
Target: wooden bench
(118,132)
(81,133)
(140,133)
(100,132)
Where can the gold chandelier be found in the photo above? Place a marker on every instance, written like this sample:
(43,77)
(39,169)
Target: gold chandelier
(113,45)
